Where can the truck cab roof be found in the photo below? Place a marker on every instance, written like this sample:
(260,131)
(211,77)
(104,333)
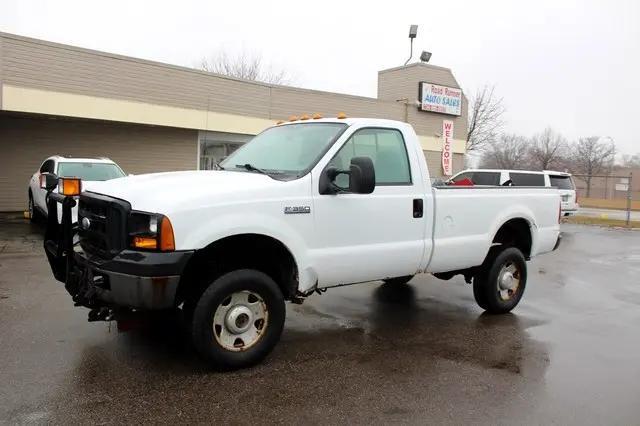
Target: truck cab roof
(351,121)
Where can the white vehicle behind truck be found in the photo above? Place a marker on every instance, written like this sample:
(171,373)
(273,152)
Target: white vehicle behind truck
(88,169)
(549,178)
(306,205)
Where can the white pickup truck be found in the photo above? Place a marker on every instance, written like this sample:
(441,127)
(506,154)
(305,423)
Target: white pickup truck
(306,205)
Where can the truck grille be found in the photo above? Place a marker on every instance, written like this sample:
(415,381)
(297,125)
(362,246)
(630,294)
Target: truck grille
(106,233)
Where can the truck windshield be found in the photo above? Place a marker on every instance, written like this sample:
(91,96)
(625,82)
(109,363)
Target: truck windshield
(90,171)
(289,150)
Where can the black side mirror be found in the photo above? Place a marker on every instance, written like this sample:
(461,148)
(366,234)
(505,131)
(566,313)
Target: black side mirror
(48,181)
(362,176)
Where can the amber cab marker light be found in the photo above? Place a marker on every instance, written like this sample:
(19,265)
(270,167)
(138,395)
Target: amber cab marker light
(317,116)
(70,186)
(293,118)
(148,243)
(167,242)
(342,115)
(279,122)
(304,117)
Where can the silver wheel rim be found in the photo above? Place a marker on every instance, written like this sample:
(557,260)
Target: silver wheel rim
(508,281)
(240,321)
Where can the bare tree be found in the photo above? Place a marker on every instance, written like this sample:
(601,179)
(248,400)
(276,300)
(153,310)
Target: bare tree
(244,65)
(591,156)
(546,149)
(631,161)
(509,151)
(485,118)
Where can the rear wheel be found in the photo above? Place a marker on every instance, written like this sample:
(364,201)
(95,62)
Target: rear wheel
(398,280)
(500,283)
(238,319)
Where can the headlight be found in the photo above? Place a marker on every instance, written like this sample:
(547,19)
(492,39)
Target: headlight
(148,231)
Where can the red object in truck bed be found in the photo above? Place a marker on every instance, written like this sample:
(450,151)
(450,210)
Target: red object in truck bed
(463,182)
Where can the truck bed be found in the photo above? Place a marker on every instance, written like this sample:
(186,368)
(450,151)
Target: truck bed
(465,219)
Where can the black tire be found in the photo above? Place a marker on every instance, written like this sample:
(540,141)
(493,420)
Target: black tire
(34,215)
(398,280)
(188,308)
(486,288)
(209,343)
(478,293)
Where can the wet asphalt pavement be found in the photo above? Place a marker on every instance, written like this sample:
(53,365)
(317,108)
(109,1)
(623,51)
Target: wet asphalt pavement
(420,353)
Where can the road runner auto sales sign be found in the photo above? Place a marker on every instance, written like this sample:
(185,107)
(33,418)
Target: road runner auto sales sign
(442,99)
(447,151)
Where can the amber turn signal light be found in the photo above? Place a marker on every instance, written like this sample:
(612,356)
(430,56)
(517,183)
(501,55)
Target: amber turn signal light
(167,242)
(148,243)
(70,186)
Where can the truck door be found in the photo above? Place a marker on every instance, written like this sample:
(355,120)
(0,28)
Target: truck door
(363,237)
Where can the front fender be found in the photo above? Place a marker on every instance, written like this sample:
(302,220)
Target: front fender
(194,234)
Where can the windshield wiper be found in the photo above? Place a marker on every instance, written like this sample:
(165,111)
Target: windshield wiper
(252,168)
(273,174)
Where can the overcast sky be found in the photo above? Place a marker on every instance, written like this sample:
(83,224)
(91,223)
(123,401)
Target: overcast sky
(571,65)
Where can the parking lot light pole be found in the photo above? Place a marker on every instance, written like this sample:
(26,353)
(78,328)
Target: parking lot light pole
(413,32)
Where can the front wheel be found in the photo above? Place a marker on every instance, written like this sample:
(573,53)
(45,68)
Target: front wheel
(238,319)
(500,283)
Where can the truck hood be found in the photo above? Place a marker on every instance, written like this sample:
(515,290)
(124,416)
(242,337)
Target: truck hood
(166,192)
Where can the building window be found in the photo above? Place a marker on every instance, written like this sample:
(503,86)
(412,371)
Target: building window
(216,146)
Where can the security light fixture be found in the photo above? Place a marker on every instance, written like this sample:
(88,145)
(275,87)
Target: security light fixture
(425,56)
(413,32)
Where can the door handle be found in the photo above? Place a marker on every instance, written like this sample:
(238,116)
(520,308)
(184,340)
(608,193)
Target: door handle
(418,207)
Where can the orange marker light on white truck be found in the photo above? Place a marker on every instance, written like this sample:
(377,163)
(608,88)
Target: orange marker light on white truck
(167,242)
(147,243)
(71,186)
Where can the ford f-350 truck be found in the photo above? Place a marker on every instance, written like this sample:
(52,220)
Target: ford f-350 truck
(305,206)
